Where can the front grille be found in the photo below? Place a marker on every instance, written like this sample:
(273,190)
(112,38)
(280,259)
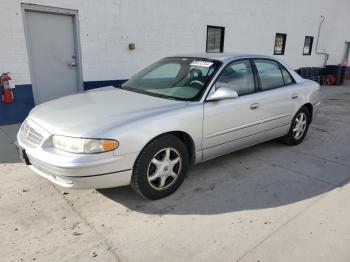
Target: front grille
(30,136)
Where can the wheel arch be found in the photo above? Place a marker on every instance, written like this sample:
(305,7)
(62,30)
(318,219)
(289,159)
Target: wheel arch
(185,138)
(310,108)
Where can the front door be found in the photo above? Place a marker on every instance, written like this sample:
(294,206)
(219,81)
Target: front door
(231,123)
(52,47)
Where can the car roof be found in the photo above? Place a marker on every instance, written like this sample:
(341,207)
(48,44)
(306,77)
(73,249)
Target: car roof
(224,57)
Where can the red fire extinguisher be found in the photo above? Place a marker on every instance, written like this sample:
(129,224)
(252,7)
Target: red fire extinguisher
(7,94)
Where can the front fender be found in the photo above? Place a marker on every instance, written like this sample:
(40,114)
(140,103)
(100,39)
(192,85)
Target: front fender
(135,135)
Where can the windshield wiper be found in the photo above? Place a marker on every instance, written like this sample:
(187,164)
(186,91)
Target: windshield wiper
(148,93)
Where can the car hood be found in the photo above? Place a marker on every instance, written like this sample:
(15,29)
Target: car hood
(97,111)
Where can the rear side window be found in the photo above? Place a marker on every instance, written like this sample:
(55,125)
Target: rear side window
(269,73)
(239,76)
(288,80)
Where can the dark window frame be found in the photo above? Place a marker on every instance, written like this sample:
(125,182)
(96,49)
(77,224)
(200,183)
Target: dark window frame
(311,44)
(257,81)
(221,40)
(280,66)
(283,46)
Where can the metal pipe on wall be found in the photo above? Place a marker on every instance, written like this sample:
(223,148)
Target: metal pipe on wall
(318,38)
(346,55)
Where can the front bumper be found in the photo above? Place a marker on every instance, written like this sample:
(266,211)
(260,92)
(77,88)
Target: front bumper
(75,170)
(120,178)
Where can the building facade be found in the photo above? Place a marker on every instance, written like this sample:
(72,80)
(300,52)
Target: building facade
(104,42)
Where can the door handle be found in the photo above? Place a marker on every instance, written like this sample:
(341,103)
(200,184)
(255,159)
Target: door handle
(254,106)
(294,96)
(73,64)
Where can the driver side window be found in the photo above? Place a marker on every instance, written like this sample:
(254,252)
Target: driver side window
(239,76)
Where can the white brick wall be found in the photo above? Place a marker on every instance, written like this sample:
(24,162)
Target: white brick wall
(161,28)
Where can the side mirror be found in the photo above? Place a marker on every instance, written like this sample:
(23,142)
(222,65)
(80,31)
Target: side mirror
(222,93)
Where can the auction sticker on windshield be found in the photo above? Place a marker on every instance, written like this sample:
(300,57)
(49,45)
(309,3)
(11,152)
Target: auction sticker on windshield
(201,63)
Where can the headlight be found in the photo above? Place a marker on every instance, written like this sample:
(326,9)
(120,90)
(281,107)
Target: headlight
(84,145)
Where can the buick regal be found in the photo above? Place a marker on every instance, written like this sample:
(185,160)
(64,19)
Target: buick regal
(179,111)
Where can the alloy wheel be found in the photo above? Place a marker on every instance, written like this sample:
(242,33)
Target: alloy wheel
(299,125)
(164,168)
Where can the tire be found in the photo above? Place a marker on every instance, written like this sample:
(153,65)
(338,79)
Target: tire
(160,168)
(294,138)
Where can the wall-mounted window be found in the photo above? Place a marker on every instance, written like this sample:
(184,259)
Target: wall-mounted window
(280,44)
(215,39)
(308,45)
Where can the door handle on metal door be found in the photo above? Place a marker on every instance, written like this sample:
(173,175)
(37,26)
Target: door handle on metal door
(254,106)
(73,64)
(294,96)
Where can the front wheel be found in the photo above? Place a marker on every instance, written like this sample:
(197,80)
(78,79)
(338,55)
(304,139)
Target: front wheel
(299,127)
(160,168)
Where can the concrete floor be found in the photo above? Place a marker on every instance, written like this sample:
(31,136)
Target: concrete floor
(269,202)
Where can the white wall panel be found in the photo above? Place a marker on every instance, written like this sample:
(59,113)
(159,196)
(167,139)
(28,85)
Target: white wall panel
(161,28)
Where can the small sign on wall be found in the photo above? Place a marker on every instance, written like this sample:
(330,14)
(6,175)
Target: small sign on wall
(132,46)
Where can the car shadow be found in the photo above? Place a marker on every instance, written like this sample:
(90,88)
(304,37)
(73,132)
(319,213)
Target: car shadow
(234,182)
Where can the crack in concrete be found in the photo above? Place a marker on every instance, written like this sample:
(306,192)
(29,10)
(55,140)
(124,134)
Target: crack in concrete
(281,227)
(320,158)
(108,244)
(339,185)
(297,172)
(334,119)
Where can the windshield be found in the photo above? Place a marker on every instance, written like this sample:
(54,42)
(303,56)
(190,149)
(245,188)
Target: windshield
(182,78)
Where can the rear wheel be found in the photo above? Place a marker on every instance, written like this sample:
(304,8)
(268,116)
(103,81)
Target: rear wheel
(299,127)
(160,168)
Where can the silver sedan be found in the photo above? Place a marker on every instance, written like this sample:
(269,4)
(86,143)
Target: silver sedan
(177,112)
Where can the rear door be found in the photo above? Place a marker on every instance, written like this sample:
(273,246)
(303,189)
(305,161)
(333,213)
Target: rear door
(277,97)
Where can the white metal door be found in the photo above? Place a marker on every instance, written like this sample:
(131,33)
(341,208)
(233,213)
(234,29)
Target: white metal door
(52,48)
